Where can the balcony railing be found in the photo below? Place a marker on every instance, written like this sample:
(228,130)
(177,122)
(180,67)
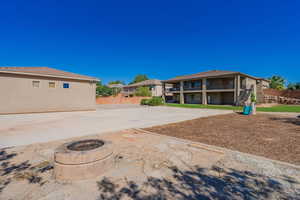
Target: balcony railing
(189,88)
(220,87)
(213,87)
(174,89)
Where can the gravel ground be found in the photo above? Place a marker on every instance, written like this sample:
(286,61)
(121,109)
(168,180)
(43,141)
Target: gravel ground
(273,136)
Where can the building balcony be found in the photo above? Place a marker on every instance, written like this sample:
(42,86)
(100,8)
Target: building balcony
(174,89)
(191,89)
(220,87)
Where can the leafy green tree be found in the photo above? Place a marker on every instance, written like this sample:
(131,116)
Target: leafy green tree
(277,82)
(116,82)
(139,78)
(294,86)
(103,90)
(143,92)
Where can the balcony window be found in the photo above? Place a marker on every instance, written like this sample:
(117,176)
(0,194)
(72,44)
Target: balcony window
(192,85)
(220,83)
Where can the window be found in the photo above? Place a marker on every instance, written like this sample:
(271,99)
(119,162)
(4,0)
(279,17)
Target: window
(36,84)
(51,84)
(192,84)
(66,85)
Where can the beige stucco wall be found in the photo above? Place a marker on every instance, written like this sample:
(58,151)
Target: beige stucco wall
(19,96)
(157,91)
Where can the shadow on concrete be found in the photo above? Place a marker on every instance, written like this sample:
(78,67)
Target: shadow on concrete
(219,184)
(10,171)
(4,156)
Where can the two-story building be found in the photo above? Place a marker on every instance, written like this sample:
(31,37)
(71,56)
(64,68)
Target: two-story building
(213,87)
(154,85)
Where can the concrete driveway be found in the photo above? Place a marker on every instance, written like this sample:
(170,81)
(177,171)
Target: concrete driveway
(26,129)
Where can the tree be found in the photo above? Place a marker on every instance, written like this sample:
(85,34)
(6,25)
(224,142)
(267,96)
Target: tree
(103,90)
(139,78)
(116,82)
(143,92)
(277,82)
(294,86)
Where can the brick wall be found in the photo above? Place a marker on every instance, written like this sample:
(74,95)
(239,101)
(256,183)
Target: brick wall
(119,99)
(283,93)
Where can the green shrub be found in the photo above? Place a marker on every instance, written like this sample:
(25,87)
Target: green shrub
(155,101)
(103,90)
(145,102)
(253,98)
(143,92)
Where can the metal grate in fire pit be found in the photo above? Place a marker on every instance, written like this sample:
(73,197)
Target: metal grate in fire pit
(85,145)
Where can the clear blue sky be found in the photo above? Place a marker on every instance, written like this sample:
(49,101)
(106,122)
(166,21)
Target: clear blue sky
(118,39)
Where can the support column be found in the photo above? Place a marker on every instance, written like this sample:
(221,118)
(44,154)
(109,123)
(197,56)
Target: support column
(204,93)
(237,88)
(164,92)
(181,93)
(238,85)
(234,95)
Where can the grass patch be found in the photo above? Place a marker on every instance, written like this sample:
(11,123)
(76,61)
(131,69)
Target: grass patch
(222,107)
(280,108)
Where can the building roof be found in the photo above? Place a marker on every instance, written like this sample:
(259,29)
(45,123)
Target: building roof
(145,83)
(212,73)
(45,72)
(118,85)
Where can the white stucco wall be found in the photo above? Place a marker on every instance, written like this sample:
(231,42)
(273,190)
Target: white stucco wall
(19,96)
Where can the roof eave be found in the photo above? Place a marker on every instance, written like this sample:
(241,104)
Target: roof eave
(51,76)
(213,76)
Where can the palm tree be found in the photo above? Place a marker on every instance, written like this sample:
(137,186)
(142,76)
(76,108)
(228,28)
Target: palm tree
(277,82)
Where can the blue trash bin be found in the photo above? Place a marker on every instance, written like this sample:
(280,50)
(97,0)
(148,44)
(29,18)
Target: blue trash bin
(247,110)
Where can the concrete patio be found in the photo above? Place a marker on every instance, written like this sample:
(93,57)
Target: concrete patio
(26,129)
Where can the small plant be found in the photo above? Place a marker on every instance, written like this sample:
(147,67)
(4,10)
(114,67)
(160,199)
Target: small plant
(155,101)
(253,98)
(145,102)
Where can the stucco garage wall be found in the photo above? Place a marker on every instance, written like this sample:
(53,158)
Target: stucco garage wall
(19,96)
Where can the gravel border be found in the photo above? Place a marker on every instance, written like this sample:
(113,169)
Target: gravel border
(260,164)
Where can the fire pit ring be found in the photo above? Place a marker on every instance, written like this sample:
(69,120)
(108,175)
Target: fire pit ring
(83,159)
(85,145)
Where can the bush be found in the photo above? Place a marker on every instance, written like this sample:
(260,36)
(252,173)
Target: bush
(253,98)
(155,101)
(143,92)
(103,90)
(145,102)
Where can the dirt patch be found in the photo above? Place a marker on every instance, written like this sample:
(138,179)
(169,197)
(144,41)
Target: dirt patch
(272,136)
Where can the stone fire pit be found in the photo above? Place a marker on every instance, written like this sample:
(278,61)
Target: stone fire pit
(83,159)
